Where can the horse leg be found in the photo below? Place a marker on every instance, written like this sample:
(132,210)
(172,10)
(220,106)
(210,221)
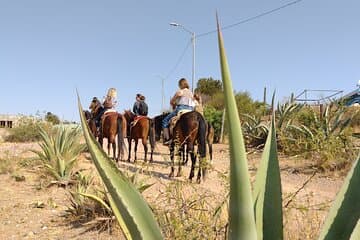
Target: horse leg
(108,146)
(193,161)
(180,162)
(129,152)
(182,155)
(144,142)
(114,149)
(151,152)
(135,148)
(172,159)
(210,151)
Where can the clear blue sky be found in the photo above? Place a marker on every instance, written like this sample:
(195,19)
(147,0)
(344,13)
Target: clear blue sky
(50,48)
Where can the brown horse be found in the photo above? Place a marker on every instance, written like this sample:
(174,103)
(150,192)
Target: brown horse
(190,128)
(112,124)
(91,123)
(140,128)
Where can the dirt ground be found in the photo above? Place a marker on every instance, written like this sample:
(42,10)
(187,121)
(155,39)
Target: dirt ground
(29,210)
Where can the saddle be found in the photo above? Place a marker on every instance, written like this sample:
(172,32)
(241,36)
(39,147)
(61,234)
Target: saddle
(174,120)
(136,119)
(108,112)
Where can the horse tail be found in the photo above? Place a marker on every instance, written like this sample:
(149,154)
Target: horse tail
(210,138)
(202,136)
(152,133)
(120,135)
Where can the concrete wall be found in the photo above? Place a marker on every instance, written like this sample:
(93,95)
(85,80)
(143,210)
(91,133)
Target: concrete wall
(8,121)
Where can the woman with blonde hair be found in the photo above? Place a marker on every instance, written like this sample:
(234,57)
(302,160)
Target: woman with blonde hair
(183,99)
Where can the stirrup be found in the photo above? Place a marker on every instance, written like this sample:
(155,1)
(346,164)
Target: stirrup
(167,142)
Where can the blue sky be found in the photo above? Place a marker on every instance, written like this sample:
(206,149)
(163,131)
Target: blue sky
(48,49)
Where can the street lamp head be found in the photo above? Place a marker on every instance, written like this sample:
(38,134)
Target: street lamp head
(174,24)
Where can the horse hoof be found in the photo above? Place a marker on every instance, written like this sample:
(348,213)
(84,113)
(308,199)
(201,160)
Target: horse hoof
(171,175)
(178,174)
(198,181)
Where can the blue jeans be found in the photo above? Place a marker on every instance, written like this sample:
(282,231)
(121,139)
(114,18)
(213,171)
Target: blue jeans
(166,120)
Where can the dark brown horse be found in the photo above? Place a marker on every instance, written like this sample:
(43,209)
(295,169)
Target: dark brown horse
(140,128)
(91,123)
(190,128)
(210,132)
(113,125)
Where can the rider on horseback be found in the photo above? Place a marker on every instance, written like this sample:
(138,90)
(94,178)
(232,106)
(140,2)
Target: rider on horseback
(140,108)
(109,102)
(183,99)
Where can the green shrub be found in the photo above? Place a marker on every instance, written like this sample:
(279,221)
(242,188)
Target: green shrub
(27,130)
(60,151)
(214,117)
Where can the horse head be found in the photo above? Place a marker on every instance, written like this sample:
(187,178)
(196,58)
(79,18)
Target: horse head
(95,106)
(87,114)
(129,116)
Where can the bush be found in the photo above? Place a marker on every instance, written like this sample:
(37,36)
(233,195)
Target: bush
(60,151)
(214,117)
(27,130)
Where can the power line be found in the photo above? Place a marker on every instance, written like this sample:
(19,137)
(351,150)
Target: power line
(252,18)
(231,26)
(178,61)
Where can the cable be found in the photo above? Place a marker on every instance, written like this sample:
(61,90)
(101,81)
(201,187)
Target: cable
(178,61)
(230,26)
(251,18)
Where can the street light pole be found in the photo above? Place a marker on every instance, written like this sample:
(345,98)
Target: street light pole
(162,92)
(193,50)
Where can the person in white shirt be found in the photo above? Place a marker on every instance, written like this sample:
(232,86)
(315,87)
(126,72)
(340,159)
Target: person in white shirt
(183,99)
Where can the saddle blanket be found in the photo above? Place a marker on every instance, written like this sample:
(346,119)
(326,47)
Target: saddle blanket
(138,118)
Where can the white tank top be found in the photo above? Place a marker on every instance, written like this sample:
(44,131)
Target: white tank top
(186,97)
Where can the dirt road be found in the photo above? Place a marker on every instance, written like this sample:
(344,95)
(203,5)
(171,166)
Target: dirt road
(29,210)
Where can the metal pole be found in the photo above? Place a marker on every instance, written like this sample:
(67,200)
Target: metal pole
(193,63)
(163,94)
(221,140)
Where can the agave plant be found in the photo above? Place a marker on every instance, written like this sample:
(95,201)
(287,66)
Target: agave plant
(60,152)
(134,215)
(255,131)
(138,222)
(343,219)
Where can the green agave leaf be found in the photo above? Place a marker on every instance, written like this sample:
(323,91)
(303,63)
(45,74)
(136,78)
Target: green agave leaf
(127,203)
(345,211)
(267,191)
(356,233)
(96,199)
(241,215)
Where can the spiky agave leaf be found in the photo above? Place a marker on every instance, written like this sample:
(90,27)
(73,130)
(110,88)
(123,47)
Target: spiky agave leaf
(241,215)
(129,207)
(345,211)
(267,191)
(356,233)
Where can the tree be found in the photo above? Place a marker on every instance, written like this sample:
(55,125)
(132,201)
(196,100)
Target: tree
(208,86)
(52,118)
(214,117)
(246,105)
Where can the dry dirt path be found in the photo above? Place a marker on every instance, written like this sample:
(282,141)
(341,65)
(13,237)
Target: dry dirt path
(31,211)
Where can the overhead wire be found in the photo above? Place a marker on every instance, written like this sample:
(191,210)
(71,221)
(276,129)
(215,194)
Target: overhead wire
(251,18)
(231,26)
(178,61)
